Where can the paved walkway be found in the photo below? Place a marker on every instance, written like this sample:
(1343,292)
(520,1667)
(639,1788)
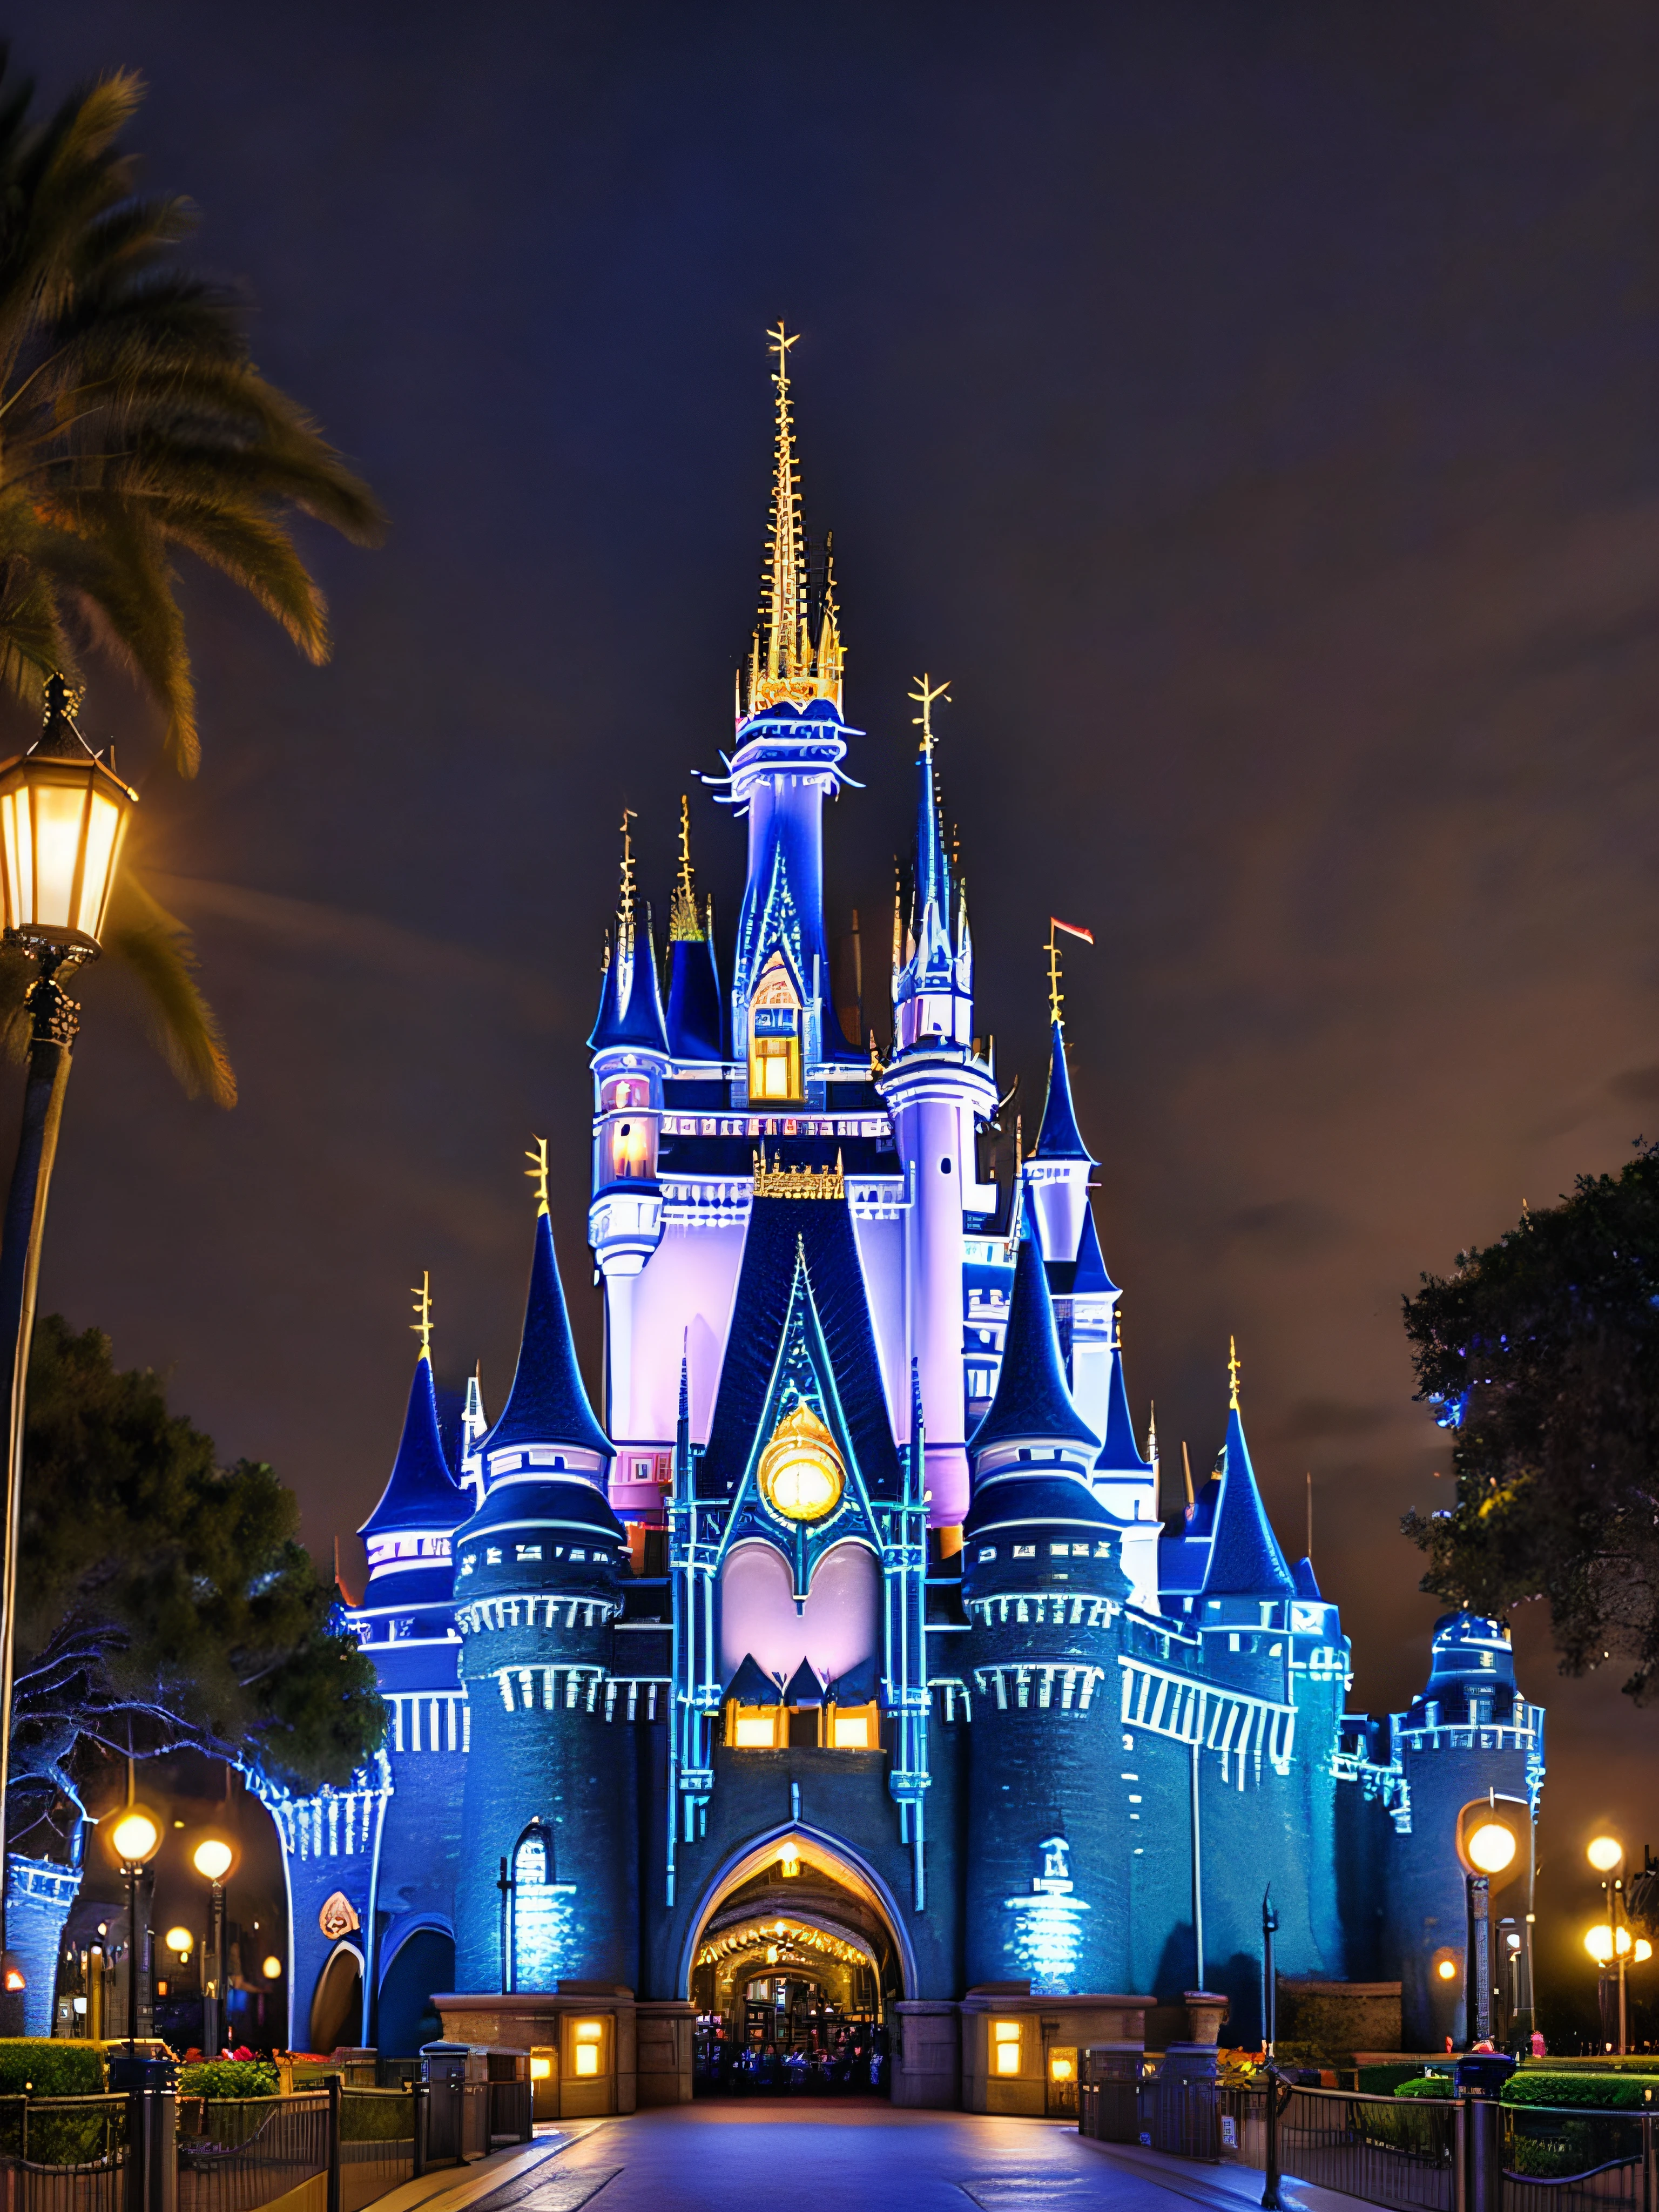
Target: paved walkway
(731,2157)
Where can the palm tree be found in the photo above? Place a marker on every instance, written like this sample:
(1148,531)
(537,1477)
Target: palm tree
(133,422)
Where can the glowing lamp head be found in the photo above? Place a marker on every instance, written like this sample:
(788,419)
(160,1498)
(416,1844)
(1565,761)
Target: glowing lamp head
(1644,1949)
(1491,1847)
(1598,1941)
(1604,1853)
(12,1975)
(135,1836)
(271,1968)
(180,1942)
(802,1476)
(62,816)
(1447,1970)
(213,1858)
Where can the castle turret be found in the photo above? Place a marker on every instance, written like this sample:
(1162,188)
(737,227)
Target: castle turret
(1045,1592)
(1058,1171)
(937,1091)
(695,1026)
(537,1586)
(1126,1482)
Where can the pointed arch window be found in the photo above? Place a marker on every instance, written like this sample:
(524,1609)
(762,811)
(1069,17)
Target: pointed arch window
(775,1034)
(540,1912)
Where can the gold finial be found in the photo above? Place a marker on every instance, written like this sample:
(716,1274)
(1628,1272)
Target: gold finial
(625,910)
(925,696)
(1232,1375)
(785,665)
(536,1172)
(1117,1325)
(1152,1432)
(421,1323)
(684,923)
(1187,1471)
(1056,929)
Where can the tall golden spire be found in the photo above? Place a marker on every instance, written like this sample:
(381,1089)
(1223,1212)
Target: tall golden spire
(786,664)
(684,922)
(421,1323)
(926,696)
(536,1172)
(625,907)
(1232,1375)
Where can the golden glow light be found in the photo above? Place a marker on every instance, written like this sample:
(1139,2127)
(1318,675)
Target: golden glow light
(62,816)
(271,1968)
(1061,2067)
(789,1864)
(16,1979)
(1491,1847)
(590,2033)
(213,1858)
(755,1733)
(1004,2039)
(180,1941)
(852,1732)
(1447,1970)
(135,1836)
(541,2067)
(1604,1853)
(802,1476)
(1604,1945)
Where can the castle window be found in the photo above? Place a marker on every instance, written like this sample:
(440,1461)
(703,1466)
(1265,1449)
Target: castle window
(469,1562)
(579,1554)
(527,1552)
(1026,1551)
(1004,2044)
(539,1915)
(492,1555)
(1080,1551)
(775,1034)
(1232,1641)
(988,1552)
(1059,1551)
(854,1728)
(754,1727)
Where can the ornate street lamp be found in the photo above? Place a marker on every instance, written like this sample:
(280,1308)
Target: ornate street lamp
(135,1836)
(1606,1854)
(213,1858)
(64,813)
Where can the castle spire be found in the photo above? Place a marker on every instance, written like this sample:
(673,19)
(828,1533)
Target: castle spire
(1245,1559)
(1031,1403)
(548,1403)
(684,922)
(420,1493)
(787,665)
(625,905)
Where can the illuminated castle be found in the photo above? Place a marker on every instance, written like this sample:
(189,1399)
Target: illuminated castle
(851,1646)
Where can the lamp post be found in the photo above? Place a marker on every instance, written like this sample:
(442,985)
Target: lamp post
(1489,1849)
(135,1836)
(1606,1853)
(64,813)
(213,1859)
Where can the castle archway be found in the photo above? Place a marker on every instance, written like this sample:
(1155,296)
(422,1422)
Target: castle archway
(797,1957)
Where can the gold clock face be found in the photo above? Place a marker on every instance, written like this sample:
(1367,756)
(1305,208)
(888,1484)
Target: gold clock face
(801,1475)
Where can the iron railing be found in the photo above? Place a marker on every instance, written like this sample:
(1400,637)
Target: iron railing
(251,2149)
(377,2144)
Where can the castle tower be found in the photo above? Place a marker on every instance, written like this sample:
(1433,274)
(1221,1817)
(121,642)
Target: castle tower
(550,1782)
(791,741)
(1043,1588)
(937,1091)
(1125,1482)
(1057,1173)
(695,1024)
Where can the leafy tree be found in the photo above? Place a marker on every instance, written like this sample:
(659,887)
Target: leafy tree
(164,1601)
(135,421)
(135,424)
(1542,1354)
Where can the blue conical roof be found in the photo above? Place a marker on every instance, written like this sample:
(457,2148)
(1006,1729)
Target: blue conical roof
(1031,1398)
(1059,1138)
(1091,1275)
(420,1491)
(695,1004)
(1118,1452)
(642,1024)
(1245,1560)
(548,1403)
(1307,1584)
(607,1023)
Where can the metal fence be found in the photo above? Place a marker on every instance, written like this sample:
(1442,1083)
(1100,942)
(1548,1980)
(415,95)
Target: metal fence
(377,2144)
(1400,2152)
(1556,2161)
(235,2156)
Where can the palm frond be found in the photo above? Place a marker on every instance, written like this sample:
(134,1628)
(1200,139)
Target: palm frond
(157,948)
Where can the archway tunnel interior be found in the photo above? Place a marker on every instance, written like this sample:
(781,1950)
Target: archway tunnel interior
(794,1972)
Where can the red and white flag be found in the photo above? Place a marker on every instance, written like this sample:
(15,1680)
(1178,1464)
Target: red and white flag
(1071,929)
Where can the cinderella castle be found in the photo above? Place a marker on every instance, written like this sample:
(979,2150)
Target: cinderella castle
(846,1685)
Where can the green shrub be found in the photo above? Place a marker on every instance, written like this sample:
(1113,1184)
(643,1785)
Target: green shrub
(1584,2092)
(1426,2085)
(376,2116)
(228,2077)
(1383,2080)
(50,2068)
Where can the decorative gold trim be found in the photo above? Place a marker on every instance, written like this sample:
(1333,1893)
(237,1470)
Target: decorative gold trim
(775,1181)
(421,1323)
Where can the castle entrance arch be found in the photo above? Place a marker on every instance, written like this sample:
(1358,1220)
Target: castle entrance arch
(797,1959)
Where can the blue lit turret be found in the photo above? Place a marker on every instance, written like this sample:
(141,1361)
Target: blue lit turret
(539,1570)
(629,1045)
(1058,1168)
(1045,1592)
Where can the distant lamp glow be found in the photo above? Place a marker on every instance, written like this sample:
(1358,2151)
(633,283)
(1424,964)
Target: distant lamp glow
(1644,1949)
(1447,1970)
(271,1968)
(62,816)
(213,1858)
(1604,1947)
(180,1941)
(135,1836)
(1604,1853)
(1491,1847)
(789,1864)
(13,1977)
(1512,1941)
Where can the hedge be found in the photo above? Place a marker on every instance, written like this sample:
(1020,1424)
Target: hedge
(1426,2085)
(49,2066)
(1583,2093)
(228,2077)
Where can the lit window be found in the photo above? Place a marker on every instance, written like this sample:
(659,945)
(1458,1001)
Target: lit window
(1059,1551)
(642,1470)
(527,1552)
(589,2035)
(468,1563)
(852,1732)
(755,1731)
(1080,1551)
(492,1555)
(579,1555)
(541,2066)
(1005,2037)
(775,1041)
(1062,2065)
(1026,1551)
(987,1551)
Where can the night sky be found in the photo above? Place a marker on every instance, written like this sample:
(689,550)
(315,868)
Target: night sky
(1250,410)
